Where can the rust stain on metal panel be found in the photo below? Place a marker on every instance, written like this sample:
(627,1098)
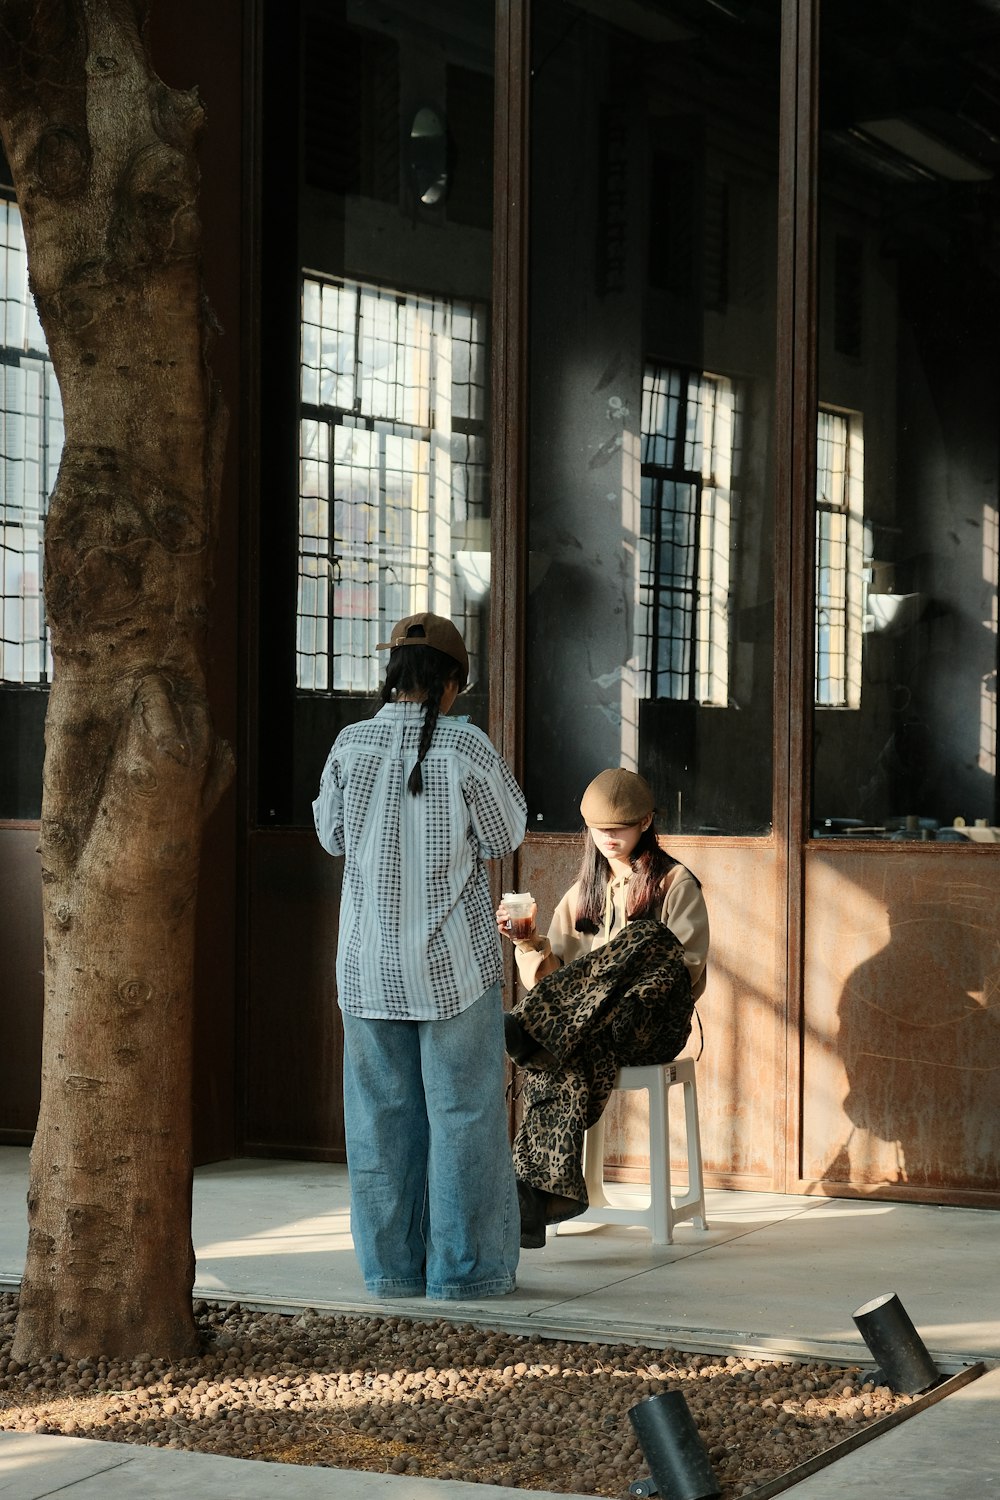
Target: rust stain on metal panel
(902,1022)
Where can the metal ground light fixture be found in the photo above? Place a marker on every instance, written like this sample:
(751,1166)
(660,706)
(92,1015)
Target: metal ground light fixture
(896,1346)
(671,1443)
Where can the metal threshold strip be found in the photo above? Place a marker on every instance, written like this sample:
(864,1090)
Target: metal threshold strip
(945,1387)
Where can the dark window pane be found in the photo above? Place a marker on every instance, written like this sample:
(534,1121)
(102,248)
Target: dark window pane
(391,510)
(908,466)
(652,297)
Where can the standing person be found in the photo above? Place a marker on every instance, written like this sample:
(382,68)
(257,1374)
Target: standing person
(416,803)
(613,984)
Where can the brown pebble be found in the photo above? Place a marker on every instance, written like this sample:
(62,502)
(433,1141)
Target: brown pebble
(348,1392)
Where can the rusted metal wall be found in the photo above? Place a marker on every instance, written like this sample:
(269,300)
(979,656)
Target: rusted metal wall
(293,1096)
(901,1024)
(21,990)
(20,984)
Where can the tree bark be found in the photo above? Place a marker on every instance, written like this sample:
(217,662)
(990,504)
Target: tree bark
(103,158)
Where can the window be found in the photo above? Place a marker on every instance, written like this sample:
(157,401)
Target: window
(690,447)
(840,559)
(393,503)
(32,437)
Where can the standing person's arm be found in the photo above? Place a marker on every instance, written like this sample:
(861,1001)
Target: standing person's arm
(497,809)
(328,809)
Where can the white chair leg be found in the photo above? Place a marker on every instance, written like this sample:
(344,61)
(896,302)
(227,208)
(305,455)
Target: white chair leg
(593,1164)
(660,1200)
(696,1184)
(664,1211)
(691,1205)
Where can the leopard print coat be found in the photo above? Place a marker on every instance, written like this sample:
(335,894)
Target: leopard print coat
(626,1004)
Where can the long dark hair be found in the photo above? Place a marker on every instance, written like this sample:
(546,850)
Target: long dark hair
(650,865)
(424,670)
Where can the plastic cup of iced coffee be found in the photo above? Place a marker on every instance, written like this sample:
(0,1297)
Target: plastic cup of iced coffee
(520,913)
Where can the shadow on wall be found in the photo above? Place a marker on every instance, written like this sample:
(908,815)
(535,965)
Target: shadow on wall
(919,1038)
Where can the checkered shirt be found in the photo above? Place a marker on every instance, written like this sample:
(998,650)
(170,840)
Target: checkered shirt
(418,938)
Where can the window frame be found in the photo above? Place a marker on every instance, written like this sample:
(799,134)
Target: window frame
(24,506)
(682,458)
(840,589)
(402,555)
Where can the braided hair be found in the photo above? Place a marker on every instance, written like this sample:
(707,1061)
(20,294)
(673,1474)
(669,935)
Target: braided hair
(426,671)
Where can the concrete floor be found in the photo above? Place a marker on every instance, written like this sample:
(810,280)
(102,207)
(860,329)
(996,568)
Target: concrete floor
(772,1274)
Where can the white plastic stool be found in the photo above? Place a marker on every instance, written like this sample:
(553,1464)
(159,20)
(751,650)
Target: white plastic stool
(663,1210)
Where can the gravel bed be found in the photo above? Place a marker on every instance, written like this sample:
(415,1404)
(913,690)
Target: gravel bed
(439,1399)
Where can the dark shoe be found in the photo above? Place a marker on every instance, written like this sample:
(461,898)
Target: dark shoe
(531,1202)
(522,1048)
(516,1040)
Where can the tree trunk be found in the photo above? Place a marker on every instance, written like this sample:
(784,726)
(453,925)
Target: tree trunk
(103,160)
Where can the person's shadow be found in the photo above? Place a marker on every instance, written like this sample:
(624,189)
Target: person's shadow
(919,1037)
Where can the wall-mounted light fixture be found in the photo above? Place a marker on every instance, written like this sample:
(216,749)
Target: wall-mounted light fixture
(427,158)
(918,145)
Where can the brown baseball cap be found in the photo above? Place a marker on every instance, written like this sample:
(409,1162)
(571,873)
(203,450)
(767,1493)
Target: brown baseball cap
(427,629)
(617,799)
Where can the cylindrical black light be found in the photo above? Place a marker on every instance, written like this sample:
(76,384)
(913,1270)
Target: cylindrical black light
(896,1346)
(677,1457)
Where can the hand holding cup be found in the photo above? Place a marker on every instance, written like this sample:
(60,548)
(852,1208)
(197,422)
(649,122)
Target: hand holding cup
(516,915)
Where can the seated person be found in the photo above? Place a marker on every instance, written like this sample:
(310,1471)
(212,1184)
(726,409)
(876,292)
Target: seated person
(613,984)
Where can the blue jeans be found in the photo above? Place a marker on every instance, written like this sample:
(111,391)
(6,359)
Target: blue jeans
(433,1197)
